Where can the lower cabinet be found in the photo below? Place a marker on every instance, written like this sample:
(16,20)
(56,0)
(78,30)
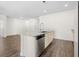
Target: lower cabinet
(48,38)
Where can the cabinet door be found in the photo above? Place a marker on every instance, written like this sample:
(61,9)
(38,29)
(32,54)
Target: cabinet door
(48,38)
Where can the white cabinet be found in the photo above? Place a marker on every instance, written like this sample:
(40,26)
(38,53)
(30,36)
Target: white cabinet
(32,45)
(28,46)
(48,38)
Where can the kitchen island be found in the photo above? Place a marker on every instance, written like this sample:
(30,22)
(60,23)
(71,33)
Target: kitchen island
(32,45)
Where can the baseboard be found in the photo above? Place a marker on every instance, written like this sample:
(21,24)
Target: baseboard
(64,39)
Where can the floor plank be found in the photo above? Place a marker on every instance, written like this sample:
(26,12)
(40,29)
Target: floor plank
(59,48)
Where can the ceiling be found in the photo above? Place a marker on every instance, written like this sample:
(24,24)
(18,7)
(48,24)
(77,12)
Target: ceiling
(31,9)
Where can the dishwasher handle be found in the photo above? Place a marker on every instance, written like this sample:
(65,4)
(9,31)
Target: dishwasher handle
(40,36)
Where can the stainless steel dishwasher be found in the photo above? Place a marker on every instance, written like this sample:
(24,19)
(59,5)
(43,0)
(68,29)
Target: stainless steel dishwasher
(40,43)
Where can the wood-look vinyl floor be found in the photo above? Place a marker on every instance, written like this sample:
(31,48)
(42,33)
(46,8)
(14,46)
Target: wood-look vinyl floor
(59,48)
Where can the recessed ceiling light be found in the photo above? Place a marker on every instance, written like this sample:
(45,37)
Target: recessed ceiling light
(66,5)
(27,21)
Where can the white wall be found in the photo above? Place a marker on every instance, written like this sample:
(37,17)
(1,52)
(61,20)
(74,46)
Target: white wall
(21,26)
(76,33)
(32,25)
(3,20)
(61,23)
(15,26)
